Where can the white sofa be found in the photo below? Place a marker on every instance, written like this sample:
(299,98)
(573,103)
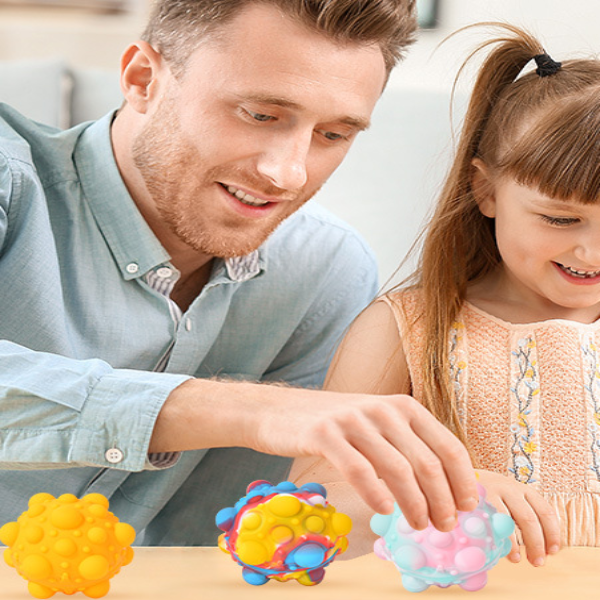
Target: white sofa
(384,187)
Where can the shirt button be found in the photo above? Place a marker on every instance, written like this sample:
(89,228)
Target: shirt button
(188,324)
(113,455)
(132,268)
(164,272)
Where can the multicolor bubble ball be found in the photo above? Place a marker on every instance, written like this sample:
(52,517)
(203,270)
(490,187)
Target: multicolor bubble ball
(283,532)
(67,545)
(432,557)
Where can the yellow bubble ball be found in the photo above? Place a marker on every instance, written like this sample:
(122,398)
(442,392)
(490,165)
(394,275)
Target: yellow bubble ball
(40,499)
(125,534)
(8,557)
(314,524)
(65,547)
(97,535)
(341,523)
(9,533)
(98,590)
(96,499)
(94,567)
(36,510)
(284,506)
(36,566)
(34,533)
(74,546)
(66,517)
(252,553)
(252,520)
(282,534)
(40,591)
(68,498)
(97,510)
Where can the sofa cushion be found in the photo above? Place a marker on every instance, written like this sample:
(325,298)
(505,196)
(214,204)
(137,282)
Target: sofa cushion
(95,92)
(40,89)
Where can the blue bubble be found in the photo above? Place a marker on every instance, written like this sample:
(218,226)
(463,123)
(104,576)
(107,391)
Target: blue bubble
(286,486)
(314,488)
(254,578)
(309,556)
(225,518)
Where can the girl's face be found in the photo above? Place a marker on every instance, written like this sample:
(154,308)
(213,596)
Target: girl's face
(550,249)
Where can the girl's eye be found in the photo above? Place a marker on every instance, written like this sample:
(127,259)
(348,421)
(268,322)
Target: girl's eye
(559,221)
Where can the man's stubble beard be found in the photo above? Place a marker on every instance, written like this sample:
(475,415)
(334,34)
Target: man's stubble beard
(163,159)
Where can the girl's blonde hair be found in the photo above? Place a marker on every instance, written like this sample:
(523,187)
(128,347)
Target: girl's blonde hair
(543,132)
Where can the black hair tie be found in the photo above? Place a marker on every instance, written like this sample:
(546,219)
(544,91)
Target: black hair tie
(545,65)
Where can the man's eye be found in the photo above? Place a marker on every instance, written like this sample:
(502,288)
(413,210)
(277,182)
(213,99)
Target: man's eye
(260,117)
(330,135)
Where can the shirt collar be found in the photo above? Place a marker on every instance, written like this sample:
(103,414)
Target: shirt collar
(242,268)
(133,244)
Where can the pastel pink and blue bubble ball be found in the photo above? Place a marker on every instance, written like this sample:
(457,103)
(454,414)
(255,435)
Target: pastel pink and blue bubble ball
(283,532)
(431,557)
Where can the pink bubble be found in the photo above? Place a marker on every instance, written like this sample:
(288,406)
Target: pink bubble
(380,549)
(470,559)
(440,539)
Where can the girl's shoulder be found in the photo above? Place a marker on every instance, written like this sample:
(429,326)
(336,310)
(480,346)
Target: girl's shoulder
(406,305)
(405,301)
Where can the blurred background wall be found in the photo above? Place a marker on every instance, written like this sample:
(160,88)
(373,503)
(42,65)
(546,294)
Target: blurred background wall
(96,36)
(565,28)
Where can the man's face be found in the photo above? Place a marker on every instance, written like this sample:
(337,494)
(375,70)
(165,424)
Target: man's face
(258,122)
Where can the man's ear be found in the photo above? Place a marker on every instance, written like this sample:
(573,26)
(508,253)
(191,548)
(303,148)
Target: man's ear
(140,67)
(483,188)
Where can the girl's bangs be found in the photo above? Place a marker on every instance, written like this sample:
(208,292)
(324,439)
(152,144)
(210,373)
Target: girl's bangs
(560,152)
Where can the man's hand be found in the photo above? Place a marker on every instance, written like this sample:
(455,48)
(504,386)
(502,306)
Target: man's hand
(536,521)
(387,447)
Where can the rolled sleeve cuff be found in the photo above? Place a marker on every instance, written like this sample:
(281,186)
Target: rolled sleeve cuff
(118,418)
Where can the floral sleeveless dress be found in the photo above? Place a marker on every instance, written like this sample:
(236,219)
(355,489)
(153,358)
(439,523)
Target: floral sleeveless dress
(529,399)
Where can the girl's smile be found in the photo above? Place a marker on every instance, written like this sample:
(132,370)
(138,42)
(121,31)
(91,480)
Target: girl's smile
(550,251)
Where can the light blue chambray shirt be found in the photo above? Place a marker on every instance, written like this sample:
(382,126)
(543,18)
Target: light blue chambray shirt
(81,333)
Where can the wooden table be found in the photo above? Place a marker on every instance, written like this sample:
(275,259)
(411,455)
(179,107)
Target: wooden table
(209,574)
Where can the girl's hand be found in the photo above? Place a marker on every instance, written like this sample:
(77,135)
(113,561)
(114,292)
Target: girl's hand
(536,522)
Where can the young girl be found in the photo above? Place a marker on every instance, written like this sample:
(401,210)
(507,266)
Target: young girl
(498,333)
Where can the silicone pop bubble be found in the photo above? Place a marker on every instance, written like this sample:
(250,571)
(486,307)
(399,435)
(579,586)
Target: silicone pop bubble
(432,557)
(67,545)
(283,532)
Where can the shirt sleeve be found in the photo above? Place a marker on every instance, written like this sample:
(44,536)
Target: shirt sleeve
(60,412)
(345,288)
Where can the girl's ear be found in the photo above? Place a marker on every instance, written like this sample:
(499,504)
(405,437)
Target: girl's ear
(483,188)
(141,65)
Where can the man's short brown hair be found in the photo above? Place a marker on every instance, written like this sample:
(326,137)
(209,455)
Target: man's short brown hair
(176,27)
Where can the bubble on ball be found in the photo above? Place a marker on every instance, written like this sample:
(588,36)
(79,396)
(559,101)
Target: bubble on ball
(461,557)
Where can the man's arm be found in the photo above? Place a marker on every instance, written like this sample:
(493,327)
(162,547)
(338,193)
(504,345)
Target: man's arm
(386,447)
(61,412)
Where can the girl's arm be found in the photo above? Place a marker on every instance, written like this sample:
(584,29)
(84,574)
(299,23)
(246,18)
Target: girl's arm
(370,358)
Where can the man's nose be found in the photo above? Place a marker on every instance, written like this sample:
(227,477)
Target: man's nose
(284,163)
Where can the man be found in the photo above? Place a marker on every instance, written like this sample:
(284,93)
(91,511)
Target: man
(171,238)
